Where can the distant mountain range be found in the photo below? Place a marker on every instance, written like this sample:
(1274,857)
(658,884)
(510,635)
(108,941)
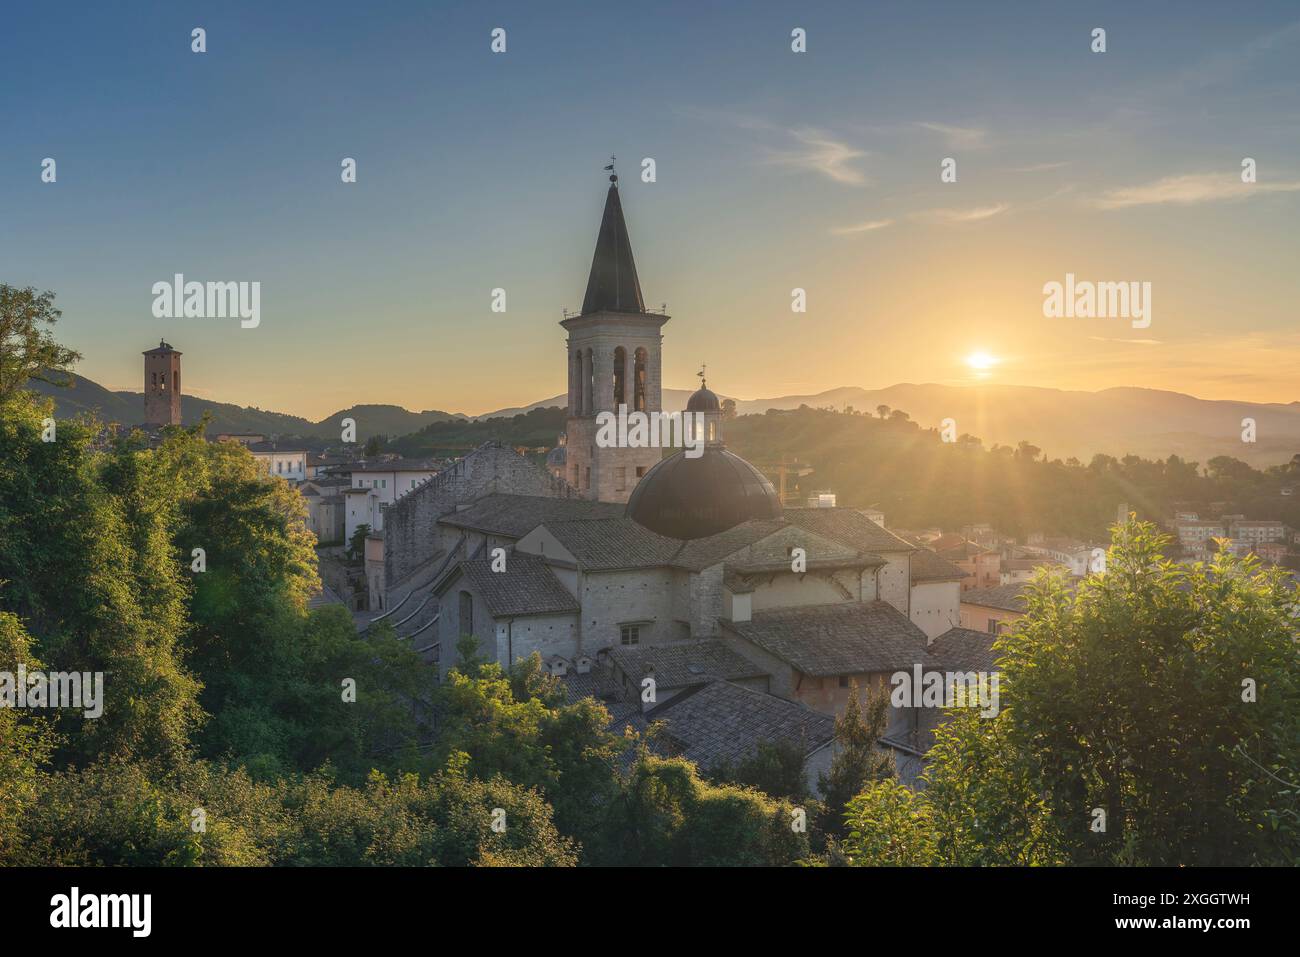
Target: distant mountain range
(1147,422)
(127,408)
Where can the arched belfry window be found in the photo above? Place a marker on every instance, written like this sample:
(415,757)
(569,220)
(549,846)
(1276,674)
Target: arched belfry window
(620,377)
(638,379)
(589,382)
(575,385)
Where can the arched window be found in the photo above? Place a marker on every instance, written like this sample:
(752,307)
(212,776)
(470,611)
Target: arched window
(620,376)
(466,613)
(575,385)
(638,379)
(589,383)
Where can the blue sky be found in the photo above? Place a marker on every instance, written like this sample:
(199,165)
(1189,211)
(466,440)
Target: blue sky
(775,170)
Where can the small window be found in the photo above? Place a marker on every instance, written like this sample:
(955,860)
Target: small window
(640,471)
(629,635)
(844,681)
(993,626)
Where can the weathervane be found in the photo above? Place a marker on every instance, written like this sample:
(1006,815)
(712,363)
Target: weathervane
(613,177)
(703,382)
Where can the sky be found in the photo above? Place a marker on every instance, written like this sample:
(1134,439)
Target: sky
(775,170)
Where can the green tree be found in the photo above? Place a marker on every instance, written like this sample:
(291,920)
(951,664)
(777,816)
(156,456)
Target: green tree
(1165,697)
(26,741)
(777,768)
(518,725)
(860,760)
(27,350)
(667,815)
(84,544)
(357,543)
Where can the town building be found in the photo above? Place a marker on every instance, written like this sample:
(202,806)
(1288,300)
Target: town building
(288,462)
(936,593)
(994,609)
(376,486)
(1197,535)
(981,566)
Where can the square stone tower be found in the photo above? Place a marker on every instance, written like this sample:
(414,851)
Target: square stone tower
(613,360)
(162,386)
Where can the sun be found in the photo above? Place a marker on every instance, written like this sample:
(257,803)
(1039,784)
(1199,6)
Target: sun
(981,361)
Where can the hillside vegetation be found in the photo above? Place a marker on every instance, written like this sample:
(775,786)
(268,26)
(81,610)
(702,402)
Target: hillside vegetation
(919,481)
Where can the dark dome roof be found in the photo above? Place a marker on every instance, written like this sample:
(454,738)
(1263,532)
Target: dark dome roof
(692,498)
(703,401)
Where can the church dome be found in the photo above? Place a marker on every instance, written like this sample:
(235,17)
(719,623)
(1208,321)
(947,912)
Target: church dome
(703,400)
(696,497)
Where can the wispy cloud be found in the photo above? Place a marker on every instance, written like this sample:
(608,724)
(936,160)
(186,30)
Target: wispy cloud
(1039,167)
(1190,189)
(958,137)
(970,215)
(1131,342)
(862,227)
(819,152)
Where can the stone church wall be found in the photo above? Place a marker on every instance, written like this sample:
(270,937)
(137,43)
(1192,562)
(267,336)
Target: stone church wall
(410,525)
(896,580)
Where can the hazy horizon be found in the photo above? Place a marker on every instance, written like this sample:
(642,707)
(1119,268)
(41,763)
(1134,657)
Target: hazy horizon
(689,387)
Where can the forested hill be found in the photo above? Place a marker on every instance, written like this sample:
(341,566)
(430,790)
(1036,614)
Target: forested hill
(127,408)
(920,481)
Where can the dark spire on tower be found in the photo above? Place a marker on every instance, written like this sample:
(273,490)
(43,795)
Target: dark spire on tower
(613,286)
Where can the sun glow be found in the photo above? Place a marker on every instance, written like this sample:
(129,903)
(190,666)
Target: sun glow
(981,361)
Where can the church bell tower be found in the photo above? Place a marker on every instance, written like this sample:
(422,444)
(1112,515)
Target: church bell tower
(162,386)
(613,360)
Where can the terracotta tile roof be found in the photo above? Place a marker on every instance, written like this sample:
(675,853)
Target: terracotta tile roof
(1004,597)
(686,663)
(514,516)
(724,723)
(929,567)
(963,649)
(841,639)
(612,543)
(848,526)
(526,587)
